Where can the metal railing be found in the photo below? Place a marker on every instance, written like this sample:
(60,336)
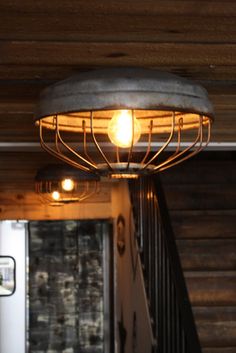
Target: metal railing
(170,309)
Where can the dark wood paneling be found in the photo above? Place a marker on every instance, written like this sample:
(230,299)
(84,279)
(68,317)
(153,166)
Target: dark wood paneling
(115,53)
(148,26)
(219,350)
(217,254)
(185,7)
(211,73)
(198,171)
(204,224)
(212,288)
(217,327)
(201,197)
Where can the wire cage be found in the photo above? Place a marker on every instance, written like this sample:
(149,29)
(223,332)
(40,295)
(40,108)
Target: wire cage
(118,122)
(61,184)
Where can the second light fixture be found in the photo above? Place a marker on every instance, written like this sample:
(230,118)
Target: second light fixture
(59,184)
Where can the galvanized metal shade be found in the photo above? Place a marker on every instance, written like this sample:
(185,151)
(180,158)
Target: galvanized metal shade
(163,106)
(59,184)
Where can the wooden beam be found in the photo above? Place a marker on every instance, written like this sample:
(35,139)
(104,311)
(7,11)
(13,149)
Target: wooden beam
(58,72)
(44,212)
(106,7)
(124,26)
(115,53)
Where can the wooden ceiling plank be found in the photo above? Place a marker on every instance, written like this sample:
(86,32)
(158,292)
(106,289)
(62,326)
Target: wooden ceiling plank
(56,73)
(107,7)
(113,54)
(117,28)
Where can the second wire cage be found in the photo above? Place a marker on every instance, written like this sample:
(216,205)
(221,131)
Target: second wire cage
(59,184)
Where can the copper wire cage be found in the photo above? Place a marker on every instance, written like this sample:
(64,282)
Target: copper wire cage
(49,182)
(74,117)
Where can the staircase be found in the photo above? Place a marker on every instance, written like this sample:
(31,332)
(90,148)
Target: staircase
(173,327)
(201,198)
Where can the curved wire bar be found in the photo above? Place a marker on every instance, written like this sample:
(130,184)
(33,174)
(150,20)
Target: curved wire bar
(208,136)
(132,142)
(96,143)
(165,144)
(57,154)
(117,155)
(199,149)
(71,149)
(85,143)
(179,138)
(95,191)
(176,156)
(149,142)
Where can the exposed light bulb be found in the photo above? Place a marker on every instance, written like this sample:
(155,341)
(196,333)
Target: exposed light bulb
(56,195)
(67,184)
(120,129)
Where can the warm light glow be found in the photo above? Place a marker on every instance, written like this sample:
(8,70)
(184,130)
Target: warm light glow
(56,195)
(68,184)
(120,129)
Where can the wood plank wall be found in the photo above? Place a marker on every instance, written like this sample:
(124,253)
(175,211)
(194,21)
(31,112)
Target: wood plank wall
(201,197)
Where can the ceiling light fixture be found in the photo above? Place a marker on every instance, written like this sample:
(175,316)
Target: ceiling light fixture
(111,122)
(61,184)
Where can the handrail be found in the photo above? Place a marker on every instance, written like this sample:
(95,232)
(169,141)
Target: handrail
(170,308)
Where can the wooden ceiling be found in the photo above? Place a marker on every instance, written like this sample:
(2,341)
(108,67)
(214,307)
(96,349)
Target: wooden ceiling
(44,41)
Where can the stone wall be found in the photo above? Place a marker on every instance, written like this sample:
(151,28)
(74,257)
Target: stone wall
(66,283)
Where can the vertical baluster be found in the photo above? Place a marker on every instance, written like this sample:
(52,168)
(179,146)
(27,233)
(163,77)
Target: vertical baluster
(156,278)
(164,293)
(149,224)
(173,318)
(178,327)
(168,294)
(183,343)
(160,303)
(135,196)
(153,254)
(144,229)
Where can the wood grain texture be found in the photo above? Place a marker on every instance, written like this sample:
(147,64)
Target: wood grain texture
(202,170)
(115,53)
(189,224)
(208,254)
(37,211)
(137,27)
(212,288)
(219,350)
(211,73)
(201,197)
(185,7)
(216,328)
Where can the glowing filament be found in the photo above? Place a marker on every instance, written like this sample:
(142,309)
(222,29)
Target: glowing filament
(123,129)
